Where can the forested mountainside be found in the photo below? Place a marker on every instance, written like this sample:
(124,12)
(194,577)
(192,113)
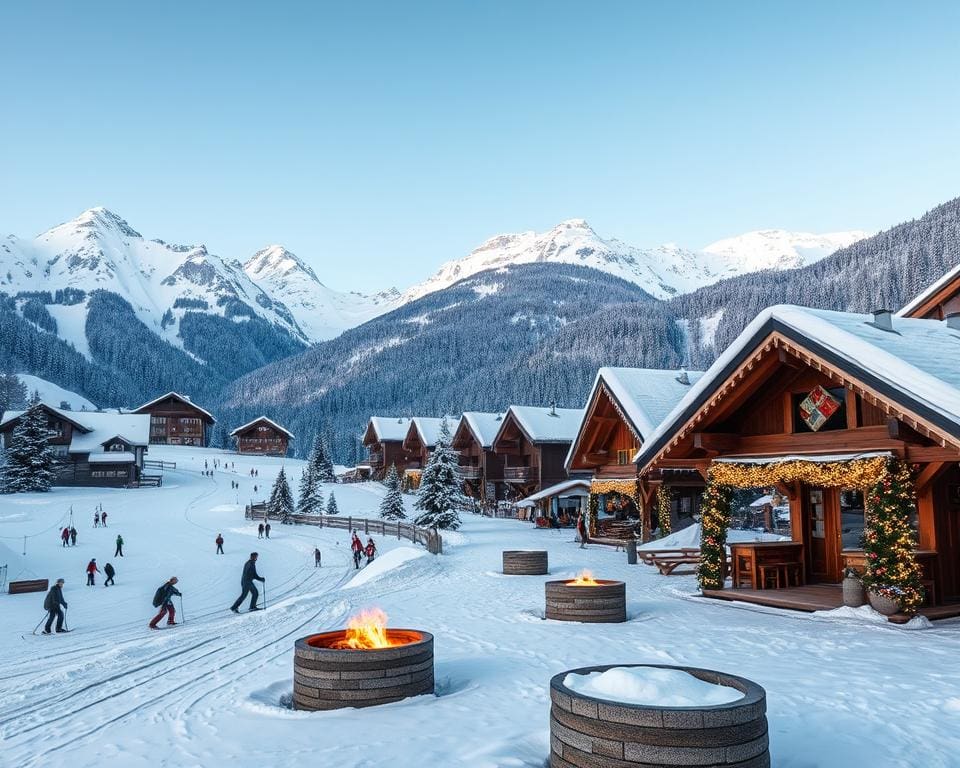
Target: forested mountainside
(536,333)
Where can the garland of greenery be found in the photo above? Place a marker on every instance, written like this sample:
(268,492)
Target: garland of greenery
(889,542)
(594,508)
(638,503)
(714,523)
(857,473)
(664,498)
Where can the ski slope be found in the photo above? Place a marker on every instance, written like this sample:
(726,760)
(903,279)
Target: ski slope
(842,689)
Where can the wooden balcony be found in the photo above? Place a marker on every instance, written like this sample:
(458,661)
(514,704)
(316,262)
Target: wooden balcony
(519,474)
(468,472)
(375,459)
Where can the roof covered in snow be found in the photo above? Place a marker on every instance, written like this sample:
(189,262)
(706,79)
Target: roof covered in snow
(916,364)
(183,399)
(546,425)
(566,488)
(930,291)
(428,428)
(94,428)
(389,428)
(484,426)
(112,457)
(265,420)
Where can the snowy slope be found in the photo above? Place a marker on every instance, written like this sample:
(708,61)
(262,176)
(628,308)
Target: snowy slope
(663,271)
(54,394)
(320,311)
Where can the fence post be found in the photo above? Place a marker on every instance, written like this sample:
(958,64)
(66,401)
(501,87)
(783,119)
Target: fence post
(398,530)
(320,517)
(350,523)
(366,526)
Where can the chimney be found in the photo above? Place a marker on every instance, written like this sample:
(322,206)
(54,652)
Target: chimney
(883,319)
(683,378)
(553,407)
(953,321)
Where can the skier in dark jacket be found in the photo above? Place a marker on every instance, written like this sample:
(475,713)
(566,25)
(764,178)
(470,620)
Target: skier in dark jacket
(51,604)
(370,550)
(103,519)
(108,570)
(219,541)
(119,550)
(266,530)
(316,557)
(246,582)
(164,597)
(73,536)
(260,531)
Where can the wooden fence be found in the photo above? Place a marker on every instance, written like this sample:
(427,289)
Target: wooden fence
(430,538)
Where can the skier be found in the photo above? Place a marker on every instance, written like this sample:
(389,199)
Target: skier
(162,599)
(316,557)
(65,537)
(91,570)
(205,466)
(108,570)
(119,551)
(254,489)
(246,581)
(582,530)
(96,519)
(370,550)
(266,530)
(103,519)
(357,546)
(73,536)
(260,531)
(51,604)
(219,541)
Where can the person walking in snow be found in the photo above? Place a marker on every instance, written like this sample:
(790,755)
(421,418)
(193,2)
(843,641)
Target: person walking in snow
(260,531)
(205,466)
(52,605)
(247,578)
(370,550)
(96,519)
(266,530)
(103,519)
(357,546)
(91,570)
(119,551)
(65,537)
(219,541)
(73,536)
(316,557)
(163,599)
(582,530)
(109,572)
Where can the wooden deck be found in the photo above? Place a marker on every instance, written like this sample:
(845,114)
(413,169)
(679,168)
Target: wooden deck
(813,597)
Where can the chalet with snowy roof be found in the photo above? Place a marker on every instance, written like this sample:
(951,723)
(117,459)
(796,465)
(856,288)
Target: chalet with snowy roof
(534,443)
(176,420)
(480,466)
(93,448)
(940,300)
(624,407)
(421,438)
(820,408)
(262,436)
(383,439)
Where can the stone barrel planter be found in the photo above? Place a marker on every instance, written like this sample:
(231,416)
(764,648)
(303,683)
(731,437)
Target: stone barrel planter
(605,603)
(329,678)
(523,562)
(586,731)
(882,604)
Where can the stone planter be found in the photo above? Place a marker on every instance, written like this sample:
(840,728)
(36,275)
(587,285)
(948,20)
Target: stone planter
(882,604)
(586,731)
(605,603)
(854,594)
(525,562)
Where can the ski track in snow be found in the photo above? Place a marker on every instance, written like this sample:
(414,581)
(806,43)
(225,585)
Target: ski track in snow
(840,691)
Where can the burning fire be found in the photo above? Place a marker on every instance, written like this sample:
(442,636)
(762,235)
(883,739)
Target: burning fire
(584,579)
(367,630)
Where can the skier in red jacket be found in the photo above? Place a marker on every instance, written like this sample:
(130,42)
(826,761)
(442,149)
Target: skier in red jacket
(91,570)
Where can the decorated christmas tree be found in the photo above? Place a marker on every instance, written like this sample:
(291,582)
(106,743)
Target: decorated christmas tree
(441,496)
(30,460)
(391,507)
(332,508)
(310,501)
(280,503)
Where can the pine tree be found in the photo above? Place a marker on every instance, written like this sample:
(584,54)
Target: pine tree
(311,496)
(281,498)
(441,495)
(332,508)
(391,507)
(321,462)
(31,462)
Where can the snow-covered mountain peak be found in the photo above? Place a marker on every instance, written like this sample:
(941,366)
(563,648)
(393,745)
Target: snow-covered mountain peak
(778,249)
(276,261)
(96,221)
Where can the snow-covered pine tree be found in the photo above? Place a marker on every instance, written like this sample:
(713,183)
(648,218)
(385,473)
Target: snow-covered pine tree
(332,508)
(321,460)
(280,503)
(391,507)
(441,495)
(311,496)
(31,462)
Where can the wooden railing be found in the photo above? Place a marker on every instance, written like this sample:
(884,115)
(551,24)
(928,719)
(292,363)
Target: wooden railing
(469,473)
(430,538)
(157,464)
(518,473)
(375,459)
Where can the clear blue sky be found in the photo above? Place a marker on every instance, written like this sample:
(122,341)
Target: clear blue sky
(377,140)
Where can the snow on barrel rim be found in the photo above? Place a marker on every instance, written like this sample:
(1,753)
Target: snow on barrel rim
(652,686)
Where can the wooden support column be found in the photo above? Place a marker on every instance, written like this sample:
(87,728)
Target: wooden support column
(926,512)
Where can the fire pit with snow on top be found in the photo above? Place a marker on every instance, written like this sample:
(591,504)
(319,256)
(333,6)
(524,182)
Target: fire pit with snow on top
(586,599)
(362,666)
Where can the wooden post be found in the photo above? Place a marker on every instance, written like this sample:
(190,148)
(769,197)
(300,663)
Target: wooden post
(366,526)
(398,530)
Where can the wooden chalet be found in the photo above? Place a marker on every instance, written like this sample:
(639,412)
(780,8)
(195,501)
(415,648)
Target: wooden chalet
(534,443)
(480,467)
(418,443)
(937,302)
(262,436)
(383,439)
(175,420)
(802,404)
(626,405)
(93,448)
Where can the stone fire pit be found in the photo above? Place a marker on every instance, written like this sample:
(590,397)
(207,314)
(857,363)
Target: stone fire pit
(586,599)
(525,562)
(327,675)
(603,733)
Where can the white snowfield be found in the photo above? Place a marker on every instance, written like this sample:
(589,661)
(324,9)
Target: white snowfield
(842,690)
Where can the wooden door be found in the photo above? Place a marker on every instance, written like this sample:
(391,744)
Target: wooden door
(822,534)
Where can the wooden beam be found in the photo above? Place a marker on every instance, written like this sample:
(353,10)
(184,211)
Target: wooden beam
(715,442)
(930,473)
(921,454)
(787,359)
(898,430)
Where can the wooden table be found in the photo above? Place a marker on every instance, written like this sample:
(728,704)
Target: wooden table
(760,553)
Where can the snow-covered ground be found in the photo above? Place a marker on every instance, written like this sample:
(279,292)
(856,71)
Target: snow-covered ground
(841,691)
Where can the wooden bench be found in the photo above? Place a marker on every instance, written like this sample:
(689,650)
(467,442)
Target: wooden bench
(650,555)
(28,585)
(668,566)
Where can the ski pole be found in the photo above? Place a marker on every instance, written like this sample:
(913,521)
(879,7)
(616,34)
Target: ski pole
(38,624)
(183,619)
(264,594)
(65,625)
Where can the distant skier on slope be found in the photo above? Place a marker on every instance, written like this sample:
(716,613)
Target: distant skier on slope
(108,570)
(260,531)
(357,546)
(65,537)
(96,519)
(119,550)
(370,550)
(246,582)
(266,530)
(162,599)
(73,536)
(316,557)
(51,604)
(91,570)
(219,541)
(103,519)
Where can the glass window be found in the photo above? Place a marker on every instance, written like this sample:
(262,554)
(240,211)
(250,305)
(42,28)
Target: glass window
(851,518)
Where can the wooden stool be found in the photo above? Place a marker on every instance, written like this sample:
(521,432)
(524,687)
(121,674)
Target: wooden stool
(791,573)
(767,572)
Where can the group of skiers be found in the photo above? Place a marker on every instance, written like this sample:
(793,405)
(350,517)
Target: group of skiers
(99,518)
(263,530)
(359,550)
(68,536)
(93,570)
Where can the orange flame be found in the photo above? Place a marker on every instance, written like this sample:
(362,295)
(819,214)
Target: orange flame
(584,579)
(366,630)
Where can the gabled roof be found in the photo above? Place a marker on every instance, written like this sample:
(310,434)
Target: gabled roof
(183,399)
(930,296)
(94,428)
(576,487)
(265,420)
(483,426)
(544,425)
(388,429)
(428,429)
(643,396)
(914,365)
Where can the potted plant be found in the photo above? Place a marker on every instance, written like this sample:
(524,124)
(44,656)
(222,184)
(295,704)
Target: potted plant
(888,599)
(854,594)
